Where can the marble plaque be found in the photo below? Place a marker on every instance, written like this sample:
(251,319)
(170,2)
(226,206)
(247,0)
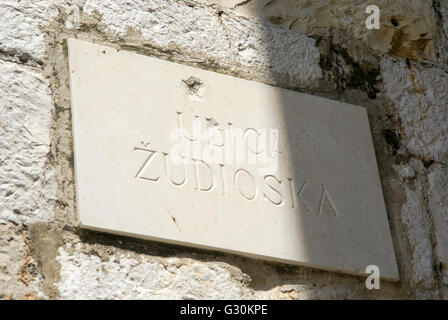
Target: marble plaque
(182,155)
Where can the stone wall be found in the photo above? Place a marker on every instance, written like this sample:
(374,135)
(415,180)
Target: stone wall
(399,73)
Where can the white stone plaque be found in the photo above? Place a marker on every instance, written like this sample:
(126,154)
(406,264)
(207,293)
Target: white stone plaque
(178,154)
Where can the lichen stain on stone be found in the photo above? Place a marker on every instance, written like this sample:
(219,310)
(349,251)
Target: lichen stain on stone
(44,244)
(342,69)
(416,87)
(402,46)
(27,273)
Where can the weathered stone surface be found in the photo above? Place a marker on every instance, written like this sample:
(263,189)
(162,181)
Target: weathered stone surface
(419,98)
(408,31)
(438,204)
(18,279)
(441,9)
(88,277)
(262,48)
(23,36)
(417,225)
(27,187)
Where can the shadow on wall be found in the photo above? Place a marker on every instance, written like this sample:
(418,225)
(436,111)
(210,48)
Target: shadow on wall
(328,177)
